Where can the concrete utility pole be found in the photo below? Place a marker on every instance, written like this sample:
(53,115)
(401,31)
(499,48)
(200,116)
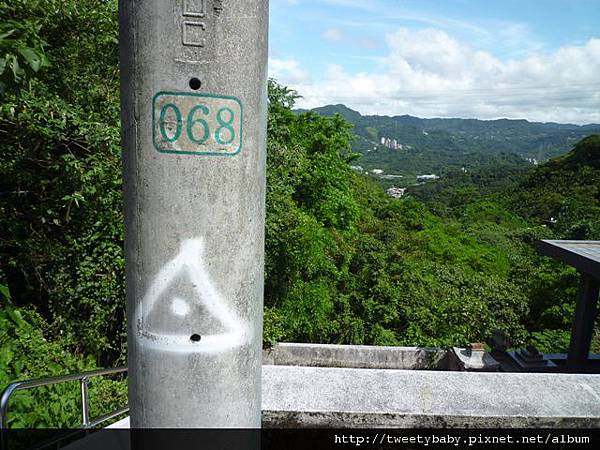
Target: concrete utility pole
(194,121)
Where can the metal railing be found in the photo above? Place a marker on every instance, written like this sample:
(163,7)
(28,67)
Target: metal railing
(83,378)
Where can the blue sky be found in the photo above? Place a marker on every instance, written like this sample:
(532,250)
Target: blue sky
(533,59)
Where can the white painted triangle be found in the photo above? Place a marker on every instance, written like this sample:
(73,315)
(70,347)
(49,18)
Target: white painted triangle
(190,261)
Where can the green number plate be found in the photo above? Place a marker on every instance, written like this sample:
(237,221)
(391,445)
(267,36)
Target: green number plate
(197,124)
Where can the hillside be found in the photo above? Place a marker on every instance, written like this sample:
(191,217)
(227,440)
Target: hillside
(509,210)
(562,194)
(565,192)
(441,145)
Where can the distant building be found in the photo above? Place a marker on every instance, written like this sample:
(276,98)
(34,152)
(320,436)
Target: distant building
(396,192)
(392,144)
(431,177)
(357,169)
(377,171)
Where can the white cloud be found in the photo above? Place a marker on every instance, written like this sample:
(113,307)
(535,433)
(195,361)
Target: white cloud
(332,34)
(288,70)
(429,73)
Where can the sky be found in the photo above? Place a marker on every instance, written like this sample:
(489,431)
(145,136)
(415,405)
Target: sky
(520,59)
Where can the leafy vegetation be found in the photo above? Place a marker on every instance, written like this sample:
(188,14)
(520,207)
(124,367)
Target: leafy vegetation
(345,263)
(565,192)
(27,354)
(21,53)
(358,267)
(61,211)
(61,204)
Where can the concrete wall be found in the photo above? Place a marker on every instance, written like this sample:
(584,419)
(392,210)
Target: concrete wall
(354,398)
(357,356)
(316,397)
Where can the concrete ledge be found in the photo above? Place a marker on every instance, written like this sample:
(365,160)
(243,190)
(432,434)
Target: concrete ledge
(371,398)
(338,397)
(356,356)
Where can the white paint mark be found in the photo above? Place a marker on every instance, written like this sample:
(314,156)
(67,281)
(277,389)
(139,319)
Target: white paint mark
(190,260)
(180,307)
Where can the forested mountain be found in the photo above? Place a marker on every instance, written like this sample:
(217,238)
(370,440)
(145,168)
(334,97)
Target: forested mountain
(559,199)
(562,194)
(565,192)
(439,145)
